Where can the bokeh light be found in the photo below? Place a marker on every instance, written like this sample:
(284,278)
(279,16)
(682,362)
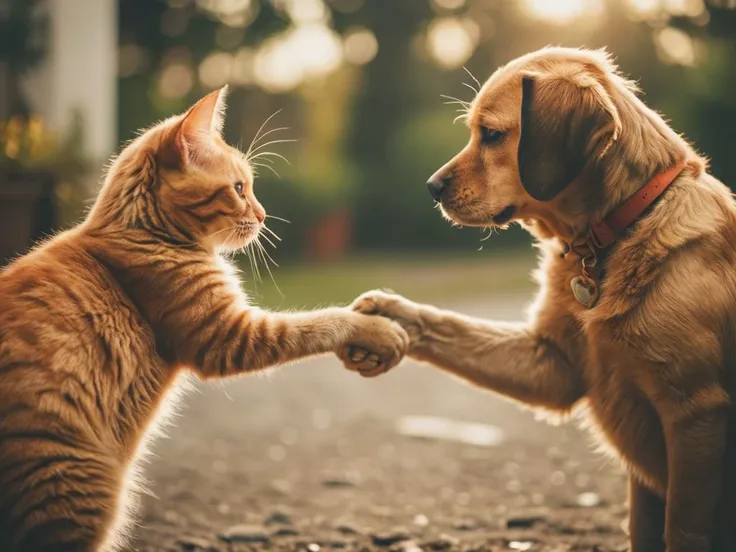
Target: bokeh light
(132,59)
(360,45)
(216,69)
(452,40)
(175,80)
(448,4)
(675,46)
(242,69)
(234,13)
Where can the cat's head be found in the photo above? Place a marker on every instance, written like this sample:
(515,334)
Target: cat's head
(181,179)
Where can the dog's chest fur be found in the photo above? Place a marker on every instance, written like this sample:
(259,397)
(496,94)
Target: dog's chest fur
(619,413)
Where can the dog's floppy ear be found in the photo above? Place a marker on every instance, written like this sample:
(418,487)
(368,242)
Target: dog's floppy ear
(565,121)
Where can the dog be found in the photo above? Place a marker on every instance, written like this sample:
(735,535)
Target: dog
(635,318)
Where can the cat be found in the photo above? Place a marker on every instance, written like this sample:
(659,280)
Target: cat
(97,324)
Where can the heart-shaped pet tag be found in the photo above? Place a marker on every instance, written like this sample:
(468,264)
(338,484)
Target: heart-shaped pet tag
(585,291)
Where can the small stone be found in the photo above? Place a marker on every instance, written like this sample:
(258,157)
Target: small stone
(281,486)
(521,545)
(392,537)
(336,483)
(194,544)
(420,520)
(444,542)
(347,528)
(285,532)
(406,546)
(314,547)
(465,525)
(588,500)
(523,522)
(245,533)
(278,517)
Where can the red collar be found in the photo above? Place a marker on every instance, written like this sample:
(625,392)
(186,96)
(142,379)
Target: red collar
(605,233)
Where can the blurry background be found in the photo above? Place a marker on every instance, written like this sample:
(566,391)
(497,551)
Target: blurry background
(358,83)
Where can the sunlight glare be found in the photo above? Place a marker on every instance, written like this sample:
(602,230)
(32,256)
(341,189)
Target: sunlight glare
(562,12)
(307,51)
(687,8)
(448,4)
(641,10)
(304,12)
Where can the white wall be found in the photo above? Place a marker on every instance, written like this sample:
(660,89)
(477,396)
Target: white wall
(80,72)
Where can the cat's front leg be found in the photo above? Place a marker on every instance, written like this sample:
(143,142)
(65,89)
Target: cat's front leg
(253,339)
(538,363)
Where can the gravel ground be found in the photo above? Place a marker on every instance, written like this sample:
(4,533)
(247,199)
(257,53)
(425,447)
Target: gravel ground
(310,458)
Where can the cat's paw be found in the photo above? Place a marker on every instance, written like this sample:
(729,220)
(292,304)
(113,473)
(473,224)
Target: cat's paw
(376,345)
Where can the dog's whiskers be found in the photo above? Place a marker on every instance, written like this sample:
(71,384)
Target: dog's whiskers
(475,92)
(472,76)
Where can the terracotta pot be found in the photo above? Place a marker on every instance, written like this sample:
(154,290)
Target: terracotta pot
(27,211)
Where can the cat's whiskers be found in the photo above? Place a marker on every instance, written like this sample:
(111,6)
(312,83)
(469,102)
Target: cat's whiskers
(268,240)
(273,234)
(258,133)
(262,136)
(267,166)
(265,257)
(279,219)
(266,154)
(250,155)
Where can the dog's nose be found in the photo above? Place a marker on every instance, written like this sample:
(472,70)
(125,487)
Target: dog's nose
(436,185)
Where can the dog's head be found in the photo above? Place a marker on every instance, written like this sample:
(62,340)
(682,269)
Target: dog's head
(535,127)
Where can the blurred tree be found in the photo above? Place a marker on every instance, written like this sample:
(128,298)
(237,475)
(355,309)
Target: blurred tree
(23,31)
(370,133)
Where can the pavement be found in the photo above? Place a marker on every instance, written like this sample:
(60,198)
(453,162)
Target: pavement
(312,457)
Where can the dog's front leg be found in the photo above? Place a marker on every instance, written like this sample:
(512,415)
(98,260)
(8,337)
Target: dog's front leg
(646,518)
(524,362)
(696,446)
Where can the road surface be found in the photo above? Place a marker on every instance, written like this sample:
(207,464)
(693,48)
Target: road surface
(310,458)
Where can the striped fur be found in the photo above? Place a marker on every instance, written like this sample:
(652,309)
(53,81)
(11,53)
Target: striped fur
(97,323)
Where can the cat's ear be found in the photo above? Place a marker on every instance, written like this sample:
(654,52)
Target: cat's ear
(207,116)
(196,133)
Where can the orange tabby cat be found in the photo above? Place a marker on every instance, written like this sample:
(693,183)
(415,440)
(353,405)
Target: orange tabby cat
(96,324)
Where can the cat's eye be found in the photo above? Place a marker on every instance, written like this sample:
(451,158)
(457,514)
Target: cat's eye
(491,135)
(238,188)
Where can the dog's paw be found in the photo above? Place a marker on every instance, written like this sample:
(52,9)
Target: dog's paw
(389,305)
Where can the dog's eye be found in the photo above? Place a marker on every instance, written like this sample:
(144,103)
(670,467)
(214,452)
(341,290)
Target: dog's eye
(238,188)
(491,135)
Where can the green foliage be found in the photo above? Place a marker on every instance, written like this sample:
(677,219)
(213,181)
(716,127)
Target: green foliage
(370,135)
(23,33)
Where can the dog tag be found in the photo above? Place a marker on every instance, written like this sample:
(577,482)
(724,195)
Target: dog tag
(585,290)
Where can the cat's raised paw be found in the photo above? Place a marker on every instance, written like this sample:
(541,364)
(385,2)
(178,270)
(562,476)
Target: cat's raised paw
(376,345)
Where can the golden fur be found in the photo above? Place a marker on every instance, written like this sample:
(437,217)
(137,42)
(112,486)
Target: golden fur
(654,361)
(96,324)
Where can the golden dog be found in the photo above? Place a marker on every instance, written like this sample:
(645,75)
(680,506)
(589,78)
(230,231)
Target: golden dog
(641,329)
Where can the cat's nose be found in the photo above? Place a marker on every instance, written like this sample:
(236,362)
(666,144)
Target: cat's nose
(436,185)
